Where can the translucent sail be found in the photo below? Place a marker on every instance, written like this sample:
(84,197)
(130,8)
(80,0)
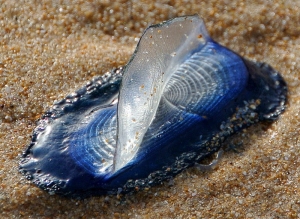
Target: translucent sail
(161,50)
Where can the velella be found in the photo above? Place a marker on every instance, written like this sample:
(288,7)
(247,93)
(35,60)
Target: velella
(178,98)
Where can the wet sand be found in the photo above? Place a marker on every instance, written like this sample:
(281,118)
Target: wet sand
(50,49)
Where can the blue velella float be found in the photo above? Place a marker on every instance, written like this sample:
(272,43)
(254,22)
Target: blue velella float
(180,95)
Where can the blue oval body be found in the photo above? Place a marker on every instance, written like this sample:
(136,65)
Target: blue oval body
(172,105)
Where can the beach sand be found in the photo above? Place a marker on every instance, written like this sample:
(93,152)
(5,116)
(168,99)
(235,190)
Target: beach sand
(51,48)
